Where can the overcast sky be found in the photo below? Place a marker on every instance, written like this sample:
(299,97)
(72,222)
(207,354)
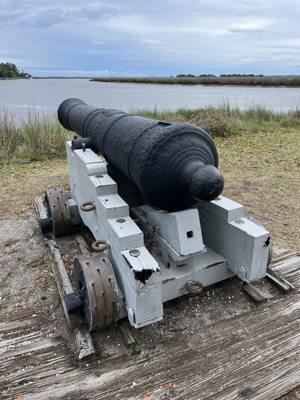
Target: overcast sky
(151,38)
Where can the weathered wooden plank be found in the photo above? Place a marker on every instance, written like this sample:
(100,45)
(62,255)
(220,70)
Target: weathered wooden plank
(289,267)
(259,359)
(279,280)
(279,252)
(84,248)
(254,292)
(253,356)
(60,272)
(80,335)
(39,208)
(250,356)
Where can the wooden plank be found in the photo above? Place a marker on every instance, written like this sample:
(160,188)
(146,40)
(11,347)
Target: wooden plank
(84,248)
(279,252)
(79,334)
(59,272)
(288,266)
(254,355)
(279,280)
(39,208)
(254,292)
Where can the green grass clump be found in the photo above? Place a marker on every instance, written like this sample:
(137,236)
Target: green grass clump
(9,135)
(226,121)
(37,138)
(43,138)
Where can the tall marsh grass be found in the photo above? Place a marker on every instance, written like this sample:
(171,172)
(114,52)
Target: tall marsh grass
(215,80)
(226,121)
(42,138)
(36,138)
(9,135)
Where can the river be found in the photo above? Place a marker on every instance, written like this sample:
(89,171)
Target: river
(45,95)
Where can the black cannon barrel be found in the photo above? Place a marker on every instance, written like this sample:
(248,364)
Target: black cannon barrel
(173,164)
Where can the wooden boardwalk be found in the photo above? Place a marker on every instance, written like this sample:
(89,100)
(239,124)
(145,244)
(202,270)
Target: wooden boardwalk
(250,355)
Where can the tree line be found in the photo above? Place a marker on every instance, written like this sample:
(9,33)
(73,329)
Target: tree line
(10,70)
(212,75)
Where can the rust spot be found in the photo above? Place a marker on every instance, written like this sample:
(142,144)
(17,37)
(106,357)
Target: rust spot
(95,296)
(105,305)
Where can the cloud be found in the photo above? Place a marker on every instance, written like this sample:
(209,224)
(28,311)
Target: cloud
(151,41)
(101,52)
(161,37)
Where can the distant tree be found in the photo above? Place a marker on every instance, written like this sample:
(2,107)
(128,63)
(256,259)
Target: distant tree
(10,70)
(185,76)
(239,75)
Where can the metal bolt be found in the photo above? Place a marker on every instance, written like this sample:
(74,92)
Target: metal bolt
(134,252)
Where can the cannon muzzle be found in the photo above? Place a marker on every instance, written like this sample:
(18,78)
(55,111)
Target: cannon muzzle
(174,165)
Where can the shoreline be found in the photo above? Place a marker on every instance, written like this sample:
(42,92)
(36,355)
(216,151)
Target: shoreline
(268,81)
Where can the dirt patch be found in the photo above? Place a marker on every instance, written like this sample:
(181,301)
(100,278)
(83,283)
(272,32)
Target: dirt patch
(21,182)
(26,280)
(262,172)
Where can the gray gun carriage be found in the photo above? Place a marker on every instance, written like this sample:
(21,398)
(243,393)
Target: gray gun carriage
(152,201)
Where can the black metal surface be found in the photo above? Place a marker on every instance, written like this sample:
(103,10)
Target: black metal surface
(172,164)
(81,143)
(46,225)
(73,301)
(58,209)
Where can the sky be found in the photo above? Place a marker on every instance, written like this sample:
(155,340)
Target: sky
(150,38)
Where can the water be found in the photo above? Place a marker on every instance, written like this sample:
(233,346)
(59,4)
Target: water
(46,94)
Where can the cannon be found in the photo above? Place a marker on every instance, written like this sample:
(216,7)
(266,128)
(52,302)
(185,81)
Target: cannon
(173,165)
(152,201)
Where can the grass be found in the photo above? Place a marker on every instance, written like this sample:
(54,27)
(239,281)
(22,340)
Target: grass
(258,152)
(43,138)
(226,121)
(216,80)
(37,138)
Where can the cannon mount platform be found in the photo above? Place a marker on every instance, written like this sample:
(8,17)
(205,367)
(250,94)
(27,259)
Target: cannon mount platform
(143,257)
